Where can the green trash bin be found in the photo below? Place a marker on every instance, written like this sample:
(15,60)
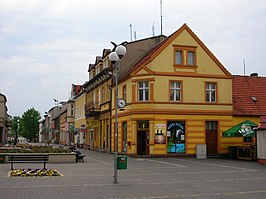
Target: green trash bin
(2,158)
(121,162)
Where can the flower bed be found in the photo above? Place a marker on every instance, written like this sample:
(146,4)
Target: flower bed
(34,172)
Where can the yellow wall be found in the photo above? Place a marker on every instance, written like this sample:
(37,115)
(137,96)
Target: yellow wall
(80,113)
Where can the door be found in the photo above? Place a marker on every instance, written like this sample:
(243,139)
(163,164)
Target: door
(211,137)
(141,143)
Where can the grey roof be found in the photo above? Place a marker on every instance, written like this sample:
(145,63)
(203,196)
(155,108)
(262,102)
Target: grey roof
(136,50)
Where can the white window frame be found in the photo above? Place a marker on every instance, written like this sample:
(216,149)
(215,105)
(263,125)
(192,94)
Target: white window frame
(176,89)
(210,91)
(144,89)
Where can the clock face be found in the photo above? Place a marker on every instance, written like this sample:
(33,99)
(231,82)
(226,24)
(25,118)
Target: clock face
(121,103)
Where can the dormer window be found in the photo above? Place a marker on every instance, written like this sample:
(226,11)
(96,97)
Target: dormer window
(254,99)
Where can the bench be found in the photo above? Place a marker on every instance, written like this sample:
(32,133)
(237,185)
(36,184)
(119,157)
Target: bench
(28,158)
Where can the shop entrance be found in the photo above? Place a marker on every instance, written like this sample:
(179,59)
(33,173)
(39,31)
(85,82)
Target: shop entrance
(211,137)
(141,150)
(143,138)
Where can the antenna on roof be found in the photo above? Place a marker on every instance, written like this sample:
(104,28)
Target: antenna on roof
(153,32)
(130,26)
(244,62)
(161,10)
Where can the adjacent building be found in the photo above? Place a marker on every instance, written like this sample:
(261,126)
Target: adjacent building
(5,121)
(249,104)
(99,98)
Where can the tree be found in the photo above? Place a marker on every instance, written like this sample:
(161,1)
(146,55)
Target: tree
(30,124)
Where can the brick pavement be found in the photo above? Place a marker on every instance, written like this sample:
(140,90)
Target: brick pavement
(144,178)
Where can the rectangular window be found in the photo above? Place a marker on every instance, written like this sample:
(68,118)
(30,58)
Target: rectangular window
(191,58)
(124,124)
(99,93)
(210,92)
(175,91)
(125,92)
(211,125)
(103,95)
(72,110)
(143,91)
(178,57)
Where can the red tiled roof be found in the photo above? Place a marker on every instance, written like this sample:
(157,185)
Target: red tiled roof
(244,89)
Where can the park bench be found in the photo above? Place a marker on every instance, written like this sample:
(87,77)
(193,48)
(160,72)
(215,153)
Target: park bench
(28,158)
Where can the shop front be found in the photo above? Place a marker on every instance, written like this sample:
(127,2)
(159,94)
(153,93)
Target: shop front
(176,134)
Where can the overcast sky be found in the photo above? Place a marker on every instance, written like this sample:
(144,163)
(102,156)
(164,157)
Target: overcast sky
(46,45)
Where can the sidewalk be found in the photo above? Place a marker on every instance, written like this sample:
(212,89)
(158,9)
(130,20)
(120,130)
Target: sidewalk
(144,178)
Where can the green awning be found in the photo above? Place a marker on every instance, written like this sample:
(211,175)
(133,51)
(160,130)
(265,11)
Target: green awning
(243,129)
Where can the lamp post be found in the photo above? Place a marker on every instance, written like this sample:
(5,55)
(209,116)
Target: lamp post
(115,58)
(17,133)
(48,136)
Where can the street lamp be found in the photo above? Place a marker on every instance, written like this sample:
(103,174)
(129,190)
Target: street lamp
(48,132)
(17,133)
(115,58)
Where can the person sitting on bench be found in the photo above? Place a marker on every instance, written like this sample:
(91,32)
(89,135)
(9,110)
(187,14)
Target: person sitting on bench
(79,156)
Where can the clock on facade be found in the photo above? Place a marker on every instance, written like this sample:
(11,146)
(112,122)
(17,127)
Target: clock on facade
(121,103)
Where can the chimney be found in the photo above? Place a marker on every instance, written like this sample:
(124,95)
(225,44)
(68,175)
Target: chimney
(254,74)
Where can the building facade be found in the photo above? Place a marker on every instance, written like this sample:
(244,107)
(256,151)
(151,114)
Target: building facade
(79,130)
(99,99)
(249,104)
(5,121)
(178,95)
(66,122)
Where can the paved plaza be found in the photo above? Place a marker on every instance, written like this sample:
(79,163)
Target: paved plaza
(145,178)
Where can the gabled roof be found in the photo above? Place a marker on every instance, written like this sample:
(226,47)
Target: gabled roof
(162,45)
(249,96)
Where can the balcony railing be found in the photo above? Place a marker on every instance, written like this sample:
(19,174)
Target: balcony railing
(92,109)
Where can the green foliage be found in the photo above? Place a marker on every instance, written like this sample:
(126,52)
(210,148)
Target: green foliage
(30,124)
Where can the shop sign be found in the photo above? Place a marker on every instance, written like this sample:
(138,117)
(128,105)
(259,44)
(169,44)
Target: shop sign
(94,123)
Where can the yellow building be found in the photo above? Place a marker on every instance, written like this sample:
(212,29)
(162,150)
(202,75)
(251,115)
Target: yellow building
(98,99)
(178,95)
(78,128)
